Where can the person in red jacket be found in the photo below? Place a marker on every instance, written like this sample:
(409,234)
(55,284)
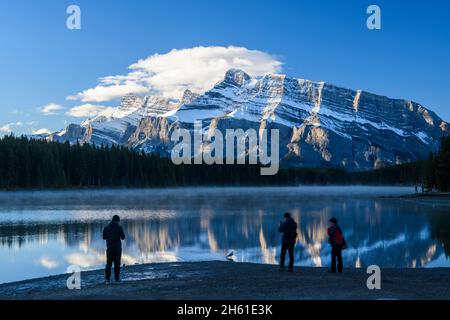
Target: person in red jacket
(337,242)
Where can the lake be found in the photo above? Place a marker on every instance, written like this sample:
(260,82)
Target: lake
(42,233)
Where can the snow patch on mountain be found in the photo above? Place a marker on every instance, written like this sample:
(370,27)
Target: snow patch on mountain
(321,124)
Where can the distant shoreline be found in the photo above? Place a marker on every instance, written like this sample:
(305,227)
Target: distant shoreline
(434,195)
(437,198)
(231,281)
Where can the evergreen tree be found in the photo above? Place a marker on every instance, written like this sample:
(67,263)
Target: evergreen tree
(443,166)
(431,172)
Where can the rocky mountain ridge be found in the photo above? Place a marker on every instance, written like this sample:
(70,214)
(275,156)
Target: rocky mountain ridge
(321,125)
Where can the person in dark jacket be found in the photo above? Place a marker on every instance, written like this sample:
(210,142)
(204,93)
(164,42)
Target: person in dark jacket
(289,229)
(113,234)
(337,242)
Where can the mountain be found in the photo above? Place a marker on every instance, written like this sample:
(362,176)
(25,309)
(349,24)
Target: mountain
(321,125)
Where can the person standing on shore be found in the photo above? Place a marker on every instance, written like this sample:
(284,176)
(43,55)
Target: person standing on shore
(289,229)
(337,242)
(113,234)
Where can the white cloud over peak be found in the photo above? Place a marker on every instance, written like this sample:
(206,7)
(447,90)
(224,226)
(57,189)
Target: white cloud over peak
(51,109)
(169,74)
(41,131)
(87,110)
(107,92)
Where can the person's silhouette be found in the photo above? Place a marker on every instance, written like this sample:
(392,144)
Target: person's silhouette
(289,229)
(113,234)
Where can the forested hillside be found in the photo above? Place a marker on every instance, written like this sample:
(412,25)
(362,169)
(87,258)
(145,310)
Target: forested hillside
(34,164)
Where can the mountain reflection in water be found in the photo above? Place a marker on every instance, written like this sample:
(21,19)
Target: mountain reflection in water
(43,233)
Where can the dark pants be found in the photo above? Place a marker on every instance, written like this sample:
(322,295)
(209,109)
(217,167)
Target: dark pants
(290,249)
(113,255)
(336,254)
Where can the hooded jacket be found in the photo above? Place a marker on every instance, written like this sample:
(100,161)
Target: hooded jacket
(289,230)
(113,234)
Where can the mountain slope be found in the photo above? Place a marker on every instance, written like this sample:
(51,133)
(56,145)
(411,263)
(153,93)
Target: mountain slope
(320,124)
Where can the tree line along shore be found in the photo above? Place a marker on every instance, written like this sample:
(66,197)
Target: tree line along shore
(37,164)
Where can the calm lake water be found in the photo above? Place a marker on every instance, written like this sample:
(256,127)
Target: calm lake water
(42,233)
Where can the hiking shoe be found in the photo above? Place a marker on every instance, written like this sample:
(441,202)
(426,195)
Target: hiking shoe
(291,270)
(107,282)
(331,271)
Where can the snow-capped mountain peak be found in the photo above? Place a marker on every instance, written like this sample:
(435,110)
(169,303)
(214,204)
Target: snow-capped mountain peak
(320,124)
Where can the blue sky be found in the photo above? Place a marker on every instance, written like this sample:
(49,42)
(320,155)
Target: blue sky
(42,62)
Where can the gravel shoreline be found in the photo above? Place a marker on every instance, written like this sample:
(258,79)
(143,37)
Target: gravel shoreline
(236,281)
